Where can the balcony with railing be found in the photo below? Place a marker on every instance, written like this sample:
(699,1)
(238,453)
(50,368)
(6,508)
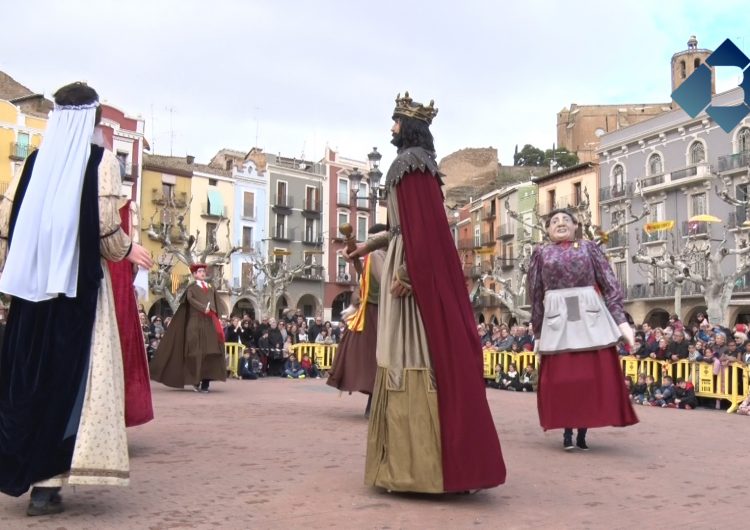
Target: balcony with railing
(283,201)
(344,278)
(20,151)
(488,238)
(213,212)
(178,200)
(473,271)
(694,228)
(281,233)
(465,243)
(660,290)
(617,240)
(658,236)
(489,213)
(487,301)
(312,273)
(507,231)
(661,181)
(735,161)
(312,240)
(738,219)
(312,206)
(617,192)
(506,263)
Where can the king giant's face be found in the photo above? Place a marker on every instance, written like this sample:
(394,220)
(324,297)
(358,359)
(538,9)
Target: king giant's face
(396,132)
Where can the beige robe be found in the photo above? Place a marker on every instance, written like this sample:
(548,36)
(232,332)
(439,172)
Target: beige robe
(403,444)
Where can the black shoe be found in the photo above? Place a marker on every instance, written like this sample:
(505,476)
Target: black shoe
(581,440)
(568,439)
(45,508)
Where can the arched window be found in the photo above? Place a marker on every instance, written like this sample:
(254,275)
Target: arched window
(618,178)
(654,164)
(697,153)
(696,63)
(682,69)
(743,140)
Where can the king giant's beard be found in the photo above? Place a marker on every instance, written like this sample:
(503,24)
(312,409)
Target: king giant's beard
(397,140)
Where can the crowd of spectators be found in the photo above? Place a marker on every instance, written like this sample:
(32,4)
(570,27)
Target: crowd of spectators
(267,343)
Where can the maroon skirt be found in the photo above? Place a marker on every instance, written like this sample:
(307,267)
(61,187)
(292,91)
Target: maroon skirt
(583,389)
(355,365)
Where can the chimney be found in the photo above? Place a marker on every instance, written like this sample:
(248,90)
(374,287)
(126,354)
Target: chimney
(190,159)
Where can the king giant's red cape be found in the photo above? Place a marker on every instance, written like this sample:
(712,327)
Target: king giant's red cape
(471,452)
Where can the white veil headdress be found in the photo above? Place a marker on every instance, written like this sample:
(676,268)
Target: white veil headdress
(43,257)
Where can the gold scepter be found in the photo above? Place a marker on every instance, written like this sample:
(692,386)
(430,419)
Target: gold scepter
(351,244)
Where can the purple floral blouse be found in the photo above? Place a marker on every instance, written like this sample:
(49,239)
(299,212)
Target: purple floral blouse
(572,264)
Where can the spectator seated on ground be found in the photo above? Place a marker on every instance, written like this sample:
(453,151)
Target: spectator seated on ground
(499,374)
(511,380)
(310,368)
(293,369)
(651,389)
(250,365)
(638,390)
(744,408)
(684,393)
(529,379)
(665,393)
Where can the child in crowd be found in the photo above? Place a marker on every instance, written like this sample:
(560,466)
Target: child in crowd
(292,368)
(650,395)
(310,368)
(529,379)
(639,389)
(665,393)
(249,367)
(744,408)
(684,394)
(511,380)
(499,375)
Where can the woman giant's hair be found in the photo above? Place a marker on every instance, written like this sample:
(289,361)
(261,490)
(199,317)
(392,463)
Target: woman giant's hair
(413,133)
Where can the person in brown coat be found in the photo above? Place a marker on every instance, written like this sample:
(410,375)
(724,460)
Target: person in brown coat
(192,350)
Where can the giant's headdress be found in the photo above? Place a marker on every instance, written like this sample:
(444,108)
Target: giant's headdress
(409,108)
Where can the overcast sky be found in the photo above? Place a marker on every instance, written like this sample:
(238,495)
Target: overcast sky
(300,75)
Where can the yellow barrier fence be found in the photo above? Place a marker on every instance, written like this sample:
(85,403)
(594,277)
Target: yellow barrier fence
(233,352)
(321,354)
(728,382)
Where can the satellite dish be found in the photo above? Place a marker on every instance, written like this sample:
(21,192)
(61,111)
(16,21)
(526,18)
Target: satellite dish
(599,132)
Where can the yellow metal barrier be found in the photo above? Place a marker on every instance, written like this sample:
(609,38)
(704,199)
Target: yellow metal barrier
(321,354)
(731,382)
(233,352)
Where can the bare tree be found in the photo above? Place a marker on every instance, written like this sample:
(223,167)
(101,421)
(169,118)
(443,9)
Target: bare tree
(266,282)
(698,261)
(178,246)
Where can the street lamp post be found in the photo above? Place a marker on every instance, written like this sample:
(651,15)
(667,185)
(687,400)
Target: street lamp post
(374,175)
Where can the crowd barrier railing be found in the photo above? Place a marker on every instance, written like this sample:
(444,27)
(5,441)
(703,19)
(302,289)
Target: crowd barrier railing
(233,352)
(321,354)
(730,382)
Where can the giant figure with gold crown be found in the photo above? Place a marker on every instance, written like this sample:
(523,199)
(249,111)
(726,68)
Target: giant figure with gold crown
(430,428)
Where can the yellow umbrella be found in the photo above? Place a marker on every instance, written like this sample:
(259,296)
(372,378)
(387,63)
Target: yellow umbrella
(705,218)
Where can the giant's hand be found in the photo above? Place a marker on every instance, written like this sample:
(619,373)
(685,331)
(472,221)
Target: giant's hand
(358,252)
(627,333)
(140,256)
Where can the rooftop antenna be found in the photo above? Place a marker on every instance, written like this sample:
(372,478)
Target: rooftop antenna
(257,126)
(171,129)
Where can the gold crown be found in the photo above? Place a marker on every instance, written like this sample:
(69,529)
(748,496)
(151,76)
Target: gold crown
(405,106)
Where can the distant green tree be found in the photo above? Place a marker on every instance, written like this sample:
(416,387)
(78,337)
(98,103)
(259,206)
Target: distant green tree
(563,158)
(528,156)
